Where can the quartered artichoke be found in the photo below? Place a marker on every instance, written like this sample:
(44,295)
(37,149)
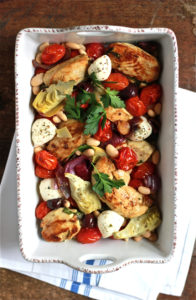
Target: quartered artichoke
(49,101)
(82,193)
(138,226)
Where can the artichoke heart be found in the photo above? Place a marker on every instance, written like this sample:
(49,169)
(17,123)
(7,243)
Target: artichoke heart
(99,152)
(48,100)
(138,226)
(82,193)
(63,132)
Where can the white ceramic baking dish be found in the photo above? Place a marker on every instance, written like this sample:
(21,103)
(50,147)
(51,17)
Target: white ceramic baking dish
(72,253)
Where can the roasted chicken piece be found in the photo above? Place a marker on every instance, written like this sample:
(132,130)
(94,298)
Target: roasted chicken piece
(134,61)
(58,226)
(72,69)
(117,114)
(62,147)
(126,201)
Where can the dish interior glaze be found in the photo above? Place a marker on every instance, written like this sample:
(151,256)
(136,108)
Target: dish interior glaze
(74,254)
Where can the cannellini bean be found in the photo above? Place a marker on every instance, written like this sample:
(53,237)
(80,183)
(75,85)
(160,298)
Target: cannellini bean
(158,108)
(147,234)
(82,52)
(144,190)
(151,113)
(96,213)
(75,46)
(38,58)
(78,153)
(67,204)
(156,157)
(137,238)
(37,79)
(123,127)
(92,142)
(43,46)
(56,119)
(62,116)
(126,240)
(37,149)
(89,152)
(112,151)
(35,90)
(153,237)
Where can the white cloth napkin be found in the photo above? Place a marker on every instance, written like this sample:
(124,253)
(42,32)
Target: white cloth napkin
(136,281)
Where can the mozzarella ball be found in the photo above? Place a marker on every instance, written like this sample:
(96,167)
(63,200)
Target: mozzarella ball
(109,222)
(43,130)
(143,131)
(102,67)
(48,191)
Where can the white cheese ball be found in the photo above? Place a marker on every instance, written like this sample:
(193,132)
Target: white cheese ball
(143,131)
(47,190)
(102,67)
(109,222)
(43,130)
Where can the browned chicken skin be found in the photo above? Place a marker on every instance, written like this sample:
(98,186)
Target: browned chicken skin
(134,61)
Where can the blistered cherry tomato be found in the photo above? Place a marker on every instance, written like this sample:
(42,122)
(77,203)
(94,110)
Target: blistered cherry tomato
(151,94)
(52,54)
(74,53)
(103,135)
(46,160)
(40,70)
(143,170)
(88,235)
(116,81)
(94,50)
(43,173)
(42,210)
(136,107)
(135,183)
(126,159)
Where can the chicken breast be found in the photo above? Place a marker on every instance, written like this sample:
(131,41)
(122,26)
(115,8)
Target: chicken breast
(126,201)
(62,147)
(143,150)
(134,61)
(72,69)
(117,114)
(58,226)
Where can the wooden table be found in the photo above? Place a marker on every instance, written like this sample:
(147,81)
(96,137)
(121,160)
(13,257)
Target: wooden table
(179,15)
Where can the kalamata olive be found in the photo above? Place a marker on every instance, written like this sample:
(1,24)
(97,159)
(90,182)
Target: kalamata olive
(83,171)
(116,140)
(130,91)
(89,221)
(134,124)
(152,182)
(156,124)
(151,47)
(86,85)
(55,203)
(79,165)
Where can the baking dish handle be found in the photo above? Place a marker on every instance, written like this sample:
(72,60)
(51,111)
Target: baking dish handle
(96,263)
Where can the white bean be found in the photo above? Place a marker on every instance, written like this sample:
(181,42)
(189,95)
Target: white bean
(62,116)
(35,90)
(144,190)
(75,46)
(56,119)
(38,58)
(37,79)
(43,46)
(89,152)
(92,142)
(112,151)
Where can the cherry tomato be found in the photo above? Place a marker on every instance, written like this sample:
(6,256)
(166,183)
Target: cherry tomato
(43,173)
(40,70)
(103,135)
(120,82)
(126,159)
(52,54)
(88,235)
(150,94)
(46,160)
(136,107)
(143,170)
(42,210)
(94,50)
(135,183)
(74,53)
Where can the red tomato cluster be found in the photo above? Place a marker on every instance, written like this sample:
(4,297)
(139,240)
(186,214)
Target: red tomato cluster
(116,81)
(105,134)
(94,50)
(52,54)
(46,163)
(126,159)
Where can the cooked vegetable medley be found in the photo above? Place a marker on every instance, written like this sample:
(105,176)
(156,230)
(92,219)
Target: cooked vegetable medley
(97,119)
